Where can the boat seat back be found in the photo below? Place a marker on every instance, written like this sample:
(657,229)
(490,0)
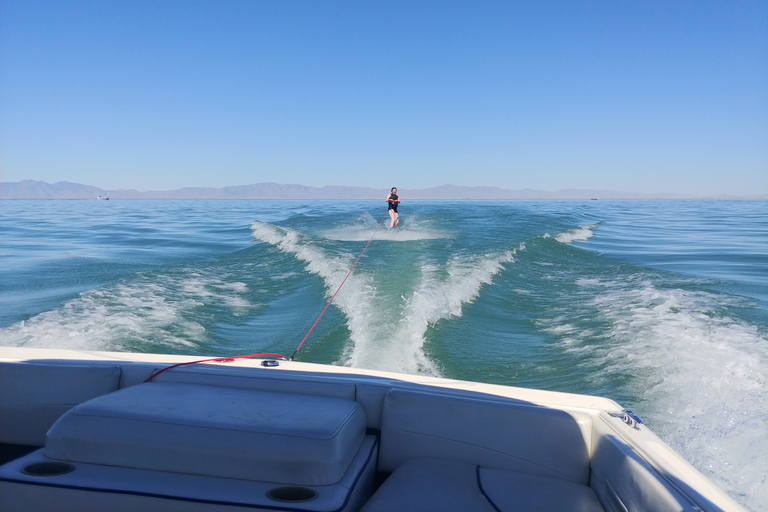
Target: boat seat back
(34,395)
(489,433)
(258,380)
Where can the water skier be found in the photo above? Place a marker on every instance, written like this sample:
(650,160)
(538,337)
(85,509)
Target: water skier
(393,201)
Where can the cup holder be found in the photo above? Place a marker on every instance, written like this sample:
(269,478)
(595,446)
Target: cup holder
(48,469)
(292,494)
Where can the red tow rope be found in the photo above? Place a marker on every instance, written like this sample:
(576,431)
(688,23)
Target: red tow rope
(216,359)
(227,359)
(339,288)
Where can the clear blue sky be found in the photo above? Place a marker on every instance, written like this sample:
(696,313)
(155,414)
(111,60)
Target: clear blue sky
(641,96)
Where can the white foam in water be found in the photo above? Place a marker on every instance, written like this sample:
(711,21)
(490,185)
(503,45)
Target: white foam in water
(154,309)
(413,230)
(331,269)
(580,234)
(195,285)
(440,295)
(398,235)
(702,372)
(355,299)
(387,338)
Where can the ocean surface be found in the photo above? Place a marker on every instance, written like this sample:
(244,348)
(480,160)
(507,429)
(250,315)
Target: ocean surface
(659,305)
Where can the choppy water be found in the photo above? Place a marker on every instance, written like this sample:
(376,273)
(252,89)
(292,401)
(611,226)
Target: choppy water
(660,305)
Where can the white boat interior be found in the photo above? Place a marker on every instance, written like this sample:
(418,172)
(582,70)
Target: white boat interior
(84,431)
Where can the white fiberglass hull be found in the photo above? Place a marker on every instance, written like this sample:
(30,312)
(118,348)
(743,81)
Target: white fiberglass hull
(83,431)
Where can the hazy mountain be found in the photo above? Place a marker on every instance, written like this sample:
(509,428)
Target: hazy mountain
(31,189)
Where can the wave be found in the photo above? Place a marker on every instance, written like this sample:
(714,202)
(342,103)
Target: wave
(398,235)
(703,371)
(579,234)
(441,294)
(149,310)
(387,328)
(411,230)
(355,299)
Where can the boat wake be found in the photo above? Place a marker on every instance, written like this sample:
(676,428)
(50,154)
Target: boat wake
(150,310)
(701,372)
(441,293)
(579,234)
(387,326)
(413,230)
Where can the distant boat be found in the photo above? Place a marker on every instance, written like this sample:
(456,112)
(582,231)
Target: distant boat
(102,198)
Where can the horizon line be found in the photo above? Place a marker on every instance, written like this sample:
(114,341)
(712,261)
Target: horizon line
(574,198)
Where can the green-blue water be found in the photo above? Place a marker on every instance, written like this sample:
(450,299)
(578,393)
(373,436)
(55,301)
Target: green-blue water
(660,305)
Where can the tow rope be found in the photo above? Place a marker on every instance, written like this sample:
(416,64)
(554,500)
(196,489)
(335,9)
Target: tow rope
(228,359)
(339,288)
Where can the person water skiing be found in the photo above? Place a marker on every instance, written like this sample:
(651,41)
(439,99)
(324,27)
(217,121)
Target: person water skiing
(393,201)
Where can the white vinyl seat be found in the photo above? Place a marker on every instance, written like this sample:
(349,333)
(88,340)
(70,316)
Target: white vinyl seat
(427,484)
(188,447)
(34,395)
(220,432)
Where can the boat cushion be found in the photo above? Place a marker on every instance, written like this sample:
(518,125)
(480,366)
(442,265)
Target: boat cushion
(489,433)
(34,395)
(205,430)
(257,379)
(436,484)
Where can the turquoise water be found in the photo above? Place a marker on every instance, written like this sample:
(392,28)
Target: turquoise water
(659,305)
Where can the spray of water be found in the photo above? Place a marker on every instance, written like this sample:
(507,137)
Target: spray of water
(700,372)
(157,309)
(390,337)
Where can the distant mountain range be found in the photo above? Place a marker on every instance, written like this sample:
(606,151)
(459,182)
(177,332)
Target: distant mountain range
(31,189)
